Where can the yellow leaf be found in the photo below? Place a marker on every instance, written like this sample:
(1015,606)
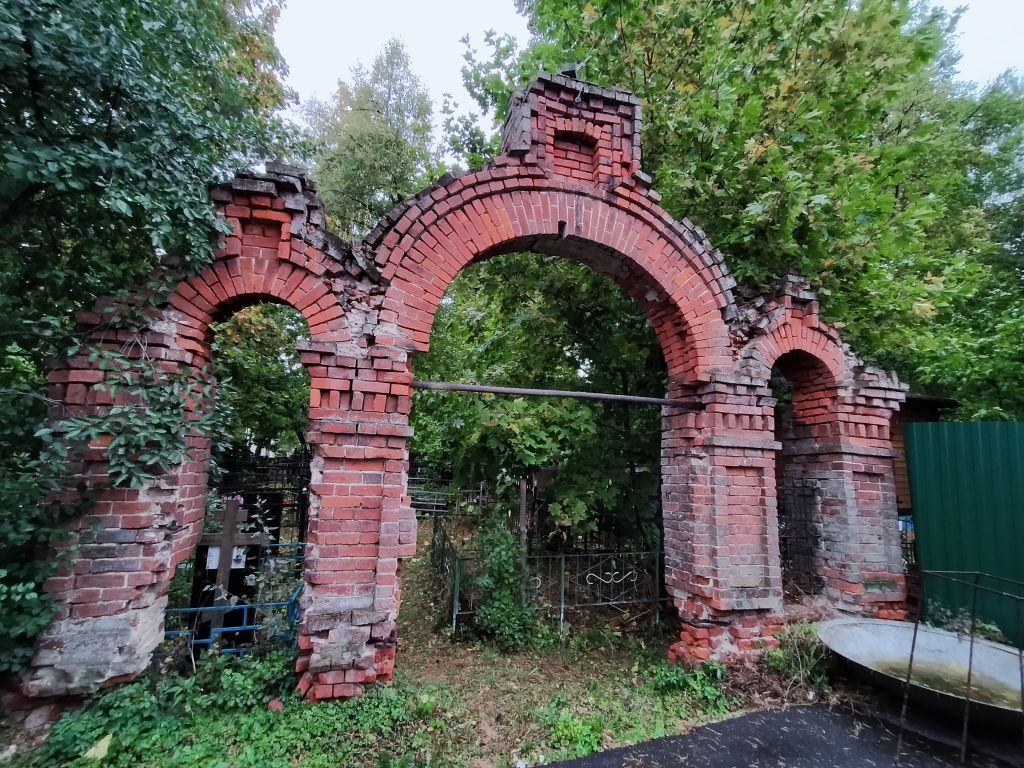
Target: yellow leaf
(923,309)
(99,750)
(864,162)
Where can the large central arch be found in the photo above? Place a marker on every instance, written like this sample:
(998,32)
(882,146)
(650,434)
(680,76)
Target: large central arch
(568,183)
(681,284)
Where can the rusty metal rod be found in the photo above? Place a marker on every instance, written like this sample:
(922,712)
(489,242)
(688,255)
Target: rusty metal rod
(453,386)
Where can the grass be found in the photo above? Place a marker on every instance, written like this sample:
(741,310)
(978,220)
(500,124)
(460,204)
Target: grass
(452,704)
(488,718)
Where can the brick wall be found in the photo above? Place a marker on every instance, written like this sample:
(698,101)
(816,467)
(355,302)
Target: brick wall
(567,184)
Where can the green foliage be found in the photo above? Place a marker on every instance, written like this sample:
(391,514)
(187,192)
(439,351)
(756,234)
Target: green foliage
(466,140)
(801,657)
(575,736)
(828,137)
(958,620)
(388,761)
(704,683)
(27,614)
(147,719)
(115,117)
(500,612)
(218,717)
(658,697)
(376,142)
(263,388)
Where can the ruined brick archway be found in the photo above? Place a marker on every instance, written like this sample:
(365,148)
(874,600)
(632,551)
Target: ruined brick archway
(568,183)
(655,260)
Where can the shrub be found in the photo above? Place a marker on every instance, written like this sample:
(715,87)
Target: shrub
(704,683)
(500,612)
(801,657)
(149,716)
(576,736)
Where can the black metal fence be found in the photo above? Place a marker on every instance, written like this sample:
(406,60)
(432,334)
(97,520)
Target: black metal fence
(439,501)
(554,583)
(274,488)
(799,537)
(953,601)
(908,544)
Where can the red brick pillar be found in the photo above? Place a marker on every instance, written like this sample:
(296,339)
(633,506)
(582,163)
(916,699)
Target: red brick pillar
(118,556)
(360,523)
(721,532)
(849,462)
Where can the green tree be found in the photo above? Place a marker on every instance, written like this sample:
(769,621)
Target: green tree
(263,388)
(115,117)
(377,141)
(826,137)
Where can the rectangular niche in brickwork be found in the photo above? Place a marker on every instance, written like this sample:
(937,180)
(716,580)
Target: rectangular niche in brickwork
(870,489)
(575,155)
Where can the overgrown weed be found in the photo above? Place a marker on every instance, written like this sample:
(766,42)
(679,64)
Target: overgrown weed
(801,658)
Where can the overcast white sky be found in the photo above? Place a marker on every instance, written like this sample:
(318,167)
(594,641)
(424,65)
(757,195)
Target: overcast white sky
(323,39)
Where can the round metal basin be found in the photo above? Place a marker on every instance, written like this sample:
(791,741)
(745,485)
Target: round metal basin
(939,677)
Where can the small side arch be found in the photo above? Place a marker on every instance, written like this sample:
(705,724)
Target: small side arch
(802,339)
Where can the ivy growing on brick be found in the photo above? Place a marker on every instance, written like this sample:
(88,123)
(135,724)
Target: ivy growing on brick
(116,117)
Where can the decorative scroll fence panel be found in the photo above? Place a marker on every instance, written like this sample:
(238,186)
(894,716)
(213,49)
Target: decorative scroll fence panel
(554,582)
(594,579)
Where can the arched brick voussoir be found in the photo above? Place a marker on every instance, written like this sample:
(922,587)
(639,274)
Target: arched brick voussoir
(232,283)
(798,335)
(683,287)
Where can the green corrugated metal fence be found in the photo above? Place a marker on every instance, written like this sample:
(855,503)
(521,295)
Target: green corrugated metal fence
(967,486)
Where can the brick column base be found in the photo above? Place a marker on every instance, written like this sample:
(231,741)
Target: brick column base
(745,634)
(895,610)
(748,633)
(345,683)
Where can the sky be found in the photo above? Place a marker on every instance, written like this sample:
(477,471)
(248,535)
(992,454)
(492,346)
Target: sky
(322,40)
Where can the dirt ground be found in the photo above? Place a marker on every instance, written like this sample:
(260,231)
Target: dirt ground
(503,692)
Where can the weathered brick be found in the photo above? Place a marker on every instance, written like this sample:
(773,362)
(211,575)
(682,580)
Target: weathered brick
(569,179)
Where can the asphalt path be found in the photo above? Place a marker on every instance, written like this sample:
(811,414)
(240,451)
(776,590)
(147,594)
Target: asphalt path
(797,737)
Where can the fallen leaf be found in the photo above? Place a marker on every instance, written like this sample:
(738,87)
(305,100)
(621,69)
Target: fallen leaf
(99,750)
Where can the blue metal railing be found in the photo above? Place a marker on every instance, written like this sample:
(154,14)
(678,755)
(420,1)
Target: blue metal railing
(244,617)
(251,620)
